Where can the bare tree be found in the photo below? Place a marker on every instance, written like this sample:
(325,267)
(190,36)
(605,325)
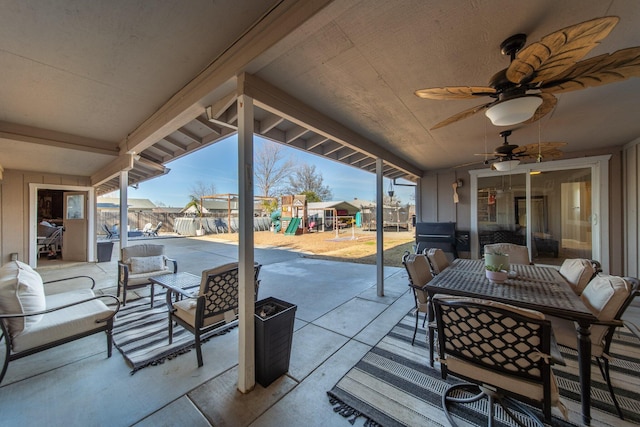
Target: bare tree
(271,168)
(305,180)
(199,189)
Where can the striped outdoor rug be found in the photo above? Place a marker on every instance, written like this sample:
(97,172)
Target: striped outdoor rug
(393,385)
(141,333)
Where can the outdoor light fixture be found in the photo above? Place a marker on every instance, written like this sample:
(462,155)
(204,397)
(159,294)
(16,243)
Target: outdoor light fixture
(391,191)
(513,110)
(506,165)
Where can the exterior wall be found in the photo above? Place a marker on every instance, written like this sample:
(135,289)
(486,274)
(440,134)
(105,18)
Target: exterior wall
(14,208)
(436,204)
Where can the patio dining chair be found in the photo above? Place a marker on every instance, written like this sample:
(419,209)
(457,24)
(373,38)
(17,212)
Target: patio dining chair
(146,230)
(608,297)
(214,308)
(502,351)
(518,254)
(578,272)
(419,272)
(438,260)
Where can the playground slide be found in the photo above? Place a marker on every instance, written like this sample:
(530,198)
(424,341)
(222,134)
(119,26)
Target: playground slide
(292,227)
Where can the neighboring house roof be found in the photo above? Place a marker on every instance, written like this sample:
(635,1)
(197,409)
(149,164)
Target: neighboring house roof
(336,204)
(132,204)
(360,203)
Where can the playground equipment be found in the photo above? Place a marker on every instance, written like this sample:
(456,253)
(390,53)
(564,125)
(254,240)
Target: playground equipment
(294,214)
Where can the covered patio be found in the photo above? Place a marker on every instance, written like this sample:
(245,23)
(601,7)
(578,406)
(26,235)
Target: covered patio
(339,318)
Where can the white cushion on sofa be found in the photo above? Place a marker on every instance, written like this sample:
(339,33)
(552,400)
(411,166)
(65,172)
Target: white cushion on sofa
(147,264)
(66,322)
(21,291)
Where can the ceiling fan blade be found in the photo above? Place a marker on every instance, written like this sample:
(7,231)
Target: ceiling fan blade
(597,71)
(534,148)
(548,104)
(559,51)
(461,115)
(455,92)
(491,154)
(472,163)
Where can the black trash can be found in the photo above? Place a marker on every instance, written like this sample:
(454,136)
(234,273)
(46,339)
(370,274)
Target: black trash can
(104,251)
(274,320)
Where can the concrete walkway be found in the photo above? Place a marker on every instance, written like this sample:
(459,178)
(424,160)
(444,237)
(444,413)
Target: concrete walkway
(339,318)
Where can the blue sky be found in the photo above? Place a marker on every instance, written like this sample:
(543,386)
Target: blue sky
(218,164)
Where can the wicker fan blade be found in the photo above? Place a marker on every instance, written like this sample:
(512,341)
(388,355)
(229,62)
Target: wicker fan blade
(471,163)
(461,115)
(597,71)
(455,92)
(548,104)
(491,154)
(542,147)
(559,51)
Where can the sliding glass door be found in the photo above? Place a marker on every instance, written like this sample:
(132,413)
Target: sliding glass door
(554,208)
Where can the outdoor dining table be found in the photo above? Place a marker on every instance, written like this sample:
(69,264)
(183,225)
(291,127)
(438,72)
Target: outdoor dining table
(536,288)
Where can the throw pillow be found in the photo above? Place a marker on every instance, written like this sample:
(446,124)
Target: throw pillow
(21,291)
(147,264)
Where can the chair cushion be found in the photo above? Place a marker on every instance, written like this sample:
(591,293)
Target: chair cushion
(21,291)
(418,268)
(438,260)
(63,323)
(186,310)
(578,273)
(141,251)
(147,264)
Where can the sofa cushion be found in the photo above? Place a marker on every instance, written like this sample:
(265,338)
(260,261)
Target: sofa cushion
(21,291)
(66,322)
(147,264)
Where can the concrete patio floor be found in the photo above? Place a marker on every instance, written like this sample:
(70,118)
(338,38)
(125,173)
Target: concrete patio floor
(339,318)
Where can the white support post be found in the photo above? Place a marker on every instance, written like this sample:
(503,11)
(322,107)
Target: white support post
(246,339)
(124,209)
(379,229)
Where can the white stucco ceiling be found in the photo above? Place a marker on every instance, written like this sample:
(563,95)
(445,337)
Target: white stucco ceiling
(98,70)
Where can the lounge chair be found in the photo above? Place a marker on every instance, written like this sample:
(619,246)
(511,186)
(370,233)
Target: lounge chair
(154,232)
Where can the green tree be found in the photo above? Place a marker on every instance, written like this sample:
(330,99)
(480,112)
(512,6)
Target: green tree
(305,180)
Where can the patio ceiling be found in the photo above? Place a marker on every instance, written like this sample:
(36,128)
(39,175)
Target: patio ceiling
(90,88)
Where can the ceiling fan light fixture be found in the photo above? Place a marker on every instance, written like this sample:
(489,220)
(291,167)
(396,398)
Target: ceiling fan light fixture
(513,110)
(506,165)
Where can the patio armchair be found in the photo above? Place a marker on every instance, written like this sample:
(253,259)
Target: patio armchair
(32,321)
(419,272)
(140,262)
(607,297)
(503,352)
(518,254)
(213,309)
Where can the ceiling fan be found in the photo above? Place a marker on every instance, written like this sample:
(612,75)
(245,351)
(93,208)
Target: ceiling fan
(507,156)
(523,92)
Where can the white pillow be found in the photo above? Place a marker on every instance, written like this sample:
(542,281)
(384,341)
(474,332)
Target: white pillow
(21,291)
(147,264)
